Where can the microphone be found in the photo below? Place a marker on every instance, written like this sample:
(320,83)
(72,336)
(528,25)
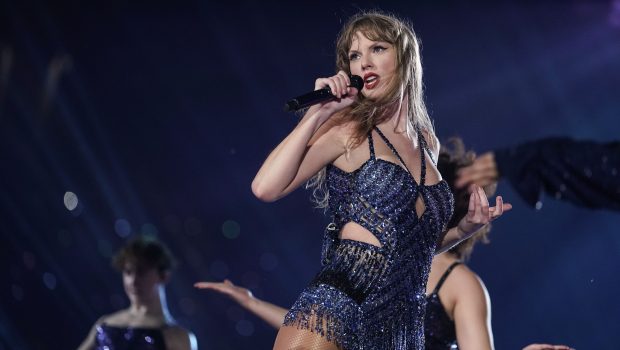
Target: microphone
(317,96)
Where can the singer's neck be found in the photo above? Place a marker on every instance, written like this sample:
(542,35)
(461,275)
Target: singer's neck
(398,121)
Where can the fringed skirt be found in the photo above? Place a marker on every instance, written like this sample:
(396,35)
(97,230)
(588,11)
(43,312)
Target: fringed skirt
(331,306)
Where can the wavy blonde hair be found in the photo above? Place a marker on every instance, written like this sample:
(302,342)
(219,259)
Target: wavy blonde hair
(366,112)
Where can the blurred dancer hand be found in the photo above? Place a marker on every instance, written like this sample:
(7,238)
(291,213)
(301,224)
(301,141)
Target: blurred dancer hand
(483,172)
(547,347)
(241,295)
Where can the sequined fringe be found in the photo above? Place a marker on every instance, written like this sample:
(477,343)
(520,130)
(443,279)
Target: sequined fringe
(322,322)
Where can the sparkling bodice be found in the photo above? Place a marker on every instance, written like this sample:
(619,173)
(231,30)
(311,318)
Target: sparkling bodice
(128,338)
(381,197)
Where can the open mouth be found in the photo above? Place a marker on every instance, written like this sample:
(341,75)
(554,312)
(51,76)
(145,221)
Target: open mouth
(370,81)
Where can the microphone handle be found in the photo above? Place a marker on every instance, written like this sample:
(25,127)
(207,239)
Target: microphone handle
(308,99)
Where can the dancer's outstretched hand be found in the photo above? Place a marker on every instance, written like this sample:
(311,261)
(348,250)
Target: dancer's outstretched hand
(479,212)
(239,294)
(547,347)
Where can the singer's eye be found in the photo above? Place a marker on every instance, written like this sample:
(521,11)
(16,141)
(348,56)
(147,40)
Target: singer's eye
(378,49)
(354,56)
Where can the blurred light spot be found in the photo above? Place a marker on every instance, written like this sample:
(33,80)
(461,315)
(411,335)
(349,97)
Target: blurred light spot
(105,249)
(149,229)
(233,151)
(64,238)
(172,224)
(18,292)
(195,259)
(245,328)
(71,200)
(231,229)
(49,280)
(539,205)
(29,260)
(268,262)
(188,306)
(250,280)
(234,313)
(122,227)
(148,339)
(117,301)
(219,269)
(587,172)
(193,226)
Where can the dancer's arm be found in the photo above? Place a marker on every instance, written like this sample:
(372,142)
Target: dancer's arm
(316,141)
(582,172)
(270,313)
(547,347)
(472,312)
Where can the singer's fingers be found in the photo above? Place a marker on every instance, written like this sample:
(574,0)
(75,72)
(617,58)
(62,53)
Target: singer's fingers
(346,81)
(477,204)
(333,86)
(321,83)
(484,202)
(471,210)
(499,207)
(344,74)
(342,84)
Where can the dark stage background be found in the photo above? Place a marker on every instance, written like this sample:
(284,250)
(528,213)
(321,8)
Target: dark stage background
(157,116)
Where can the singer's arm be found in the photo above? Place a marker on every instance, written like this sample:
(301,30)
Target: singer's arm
(316,141)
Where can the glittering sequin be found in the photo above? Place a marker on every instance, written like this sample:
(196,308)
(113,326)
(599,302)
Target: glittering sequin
(126,338)
(367,296)
(439,329)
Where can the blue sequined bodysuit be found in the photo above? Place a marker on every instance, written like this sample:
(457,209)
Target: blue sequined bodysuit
(367,296)
(439,329)
(128,338)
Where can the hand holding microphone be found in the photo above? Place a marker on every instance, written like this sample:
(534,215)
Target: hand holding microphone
(326,90)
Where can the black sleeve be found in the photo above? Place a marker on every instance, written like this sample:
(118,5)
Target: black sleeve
(585,173)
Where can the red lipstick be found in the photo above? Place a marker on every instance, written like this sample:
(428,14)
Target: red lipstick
(370,81)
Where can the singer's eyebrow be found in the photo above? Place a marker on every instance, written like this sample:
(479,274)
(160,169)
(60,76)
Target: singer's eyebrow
(353,51)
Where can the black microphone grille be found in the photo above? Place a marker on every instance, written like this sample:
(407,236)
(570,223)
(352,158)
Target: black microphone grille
(356,82)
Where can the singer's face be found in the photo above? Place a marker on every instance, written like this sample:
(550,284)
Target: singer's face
(375,62)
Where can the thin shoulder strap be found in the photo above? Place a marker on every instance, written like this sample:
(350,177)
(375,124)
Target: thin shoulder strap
(371,146)
(389,144)
(424,144)
(445,275)
(423,147)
